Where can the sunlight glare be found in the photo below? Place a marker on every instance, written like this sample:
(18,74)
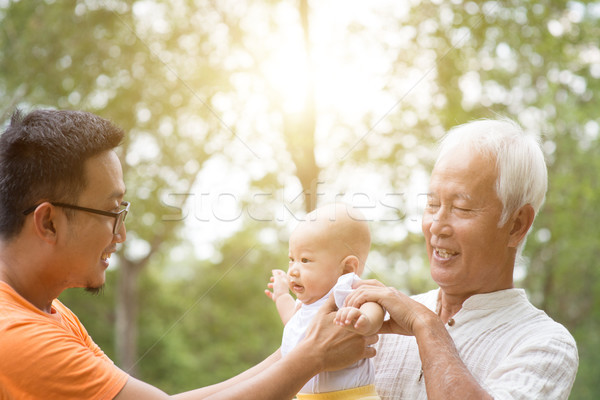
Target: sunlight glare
(287,74)
(347,88)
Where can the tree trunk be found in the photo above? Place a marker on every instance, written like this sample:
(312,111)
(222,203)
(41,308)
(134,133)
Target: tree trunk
(299,128)
(127,296)
(126,329)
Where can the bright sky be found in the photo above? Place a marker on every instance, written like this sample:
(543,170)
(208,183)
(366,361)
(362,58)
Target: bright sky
(349,79)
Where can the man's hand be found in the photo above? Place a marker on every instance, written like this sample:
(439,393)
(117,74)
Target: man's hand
(405,313)
(335,347)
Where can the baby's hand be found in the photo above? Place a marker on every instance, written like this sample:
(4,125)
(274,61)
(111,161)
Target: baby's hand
(352,319)
(279,284)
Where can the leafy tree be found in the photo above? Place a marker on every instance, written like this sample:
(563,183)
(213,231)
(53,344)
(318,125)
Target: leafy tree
(94,57)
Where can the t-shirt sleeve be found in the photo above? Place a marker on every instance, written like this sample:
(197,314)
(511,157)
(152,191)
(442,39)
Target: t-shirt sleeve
(43,360)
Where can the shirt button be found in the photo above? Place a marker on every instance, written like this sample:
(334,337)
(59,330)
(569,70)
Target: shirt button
(451,322)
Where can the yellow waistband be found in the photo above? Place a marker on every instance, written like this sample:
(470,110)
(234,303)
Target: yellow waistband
(359,393)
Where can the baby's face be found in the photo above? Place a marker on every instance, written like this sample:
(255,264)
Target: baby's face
(314,266)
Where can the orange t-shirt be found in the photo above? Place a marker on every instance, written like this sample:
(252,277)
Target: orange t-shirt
(50,356)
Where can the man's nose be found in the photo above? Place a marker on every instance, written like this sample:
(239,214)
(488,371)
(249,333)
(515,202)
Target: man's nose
(121,236)
(440,222)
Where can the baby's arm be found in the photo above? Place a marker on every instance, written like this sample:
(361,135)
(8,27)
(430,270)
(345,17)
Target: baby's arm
(285,303)
(365,320)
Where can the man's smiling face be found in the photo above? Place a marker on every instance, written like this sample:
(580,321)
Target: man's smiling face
(468,252)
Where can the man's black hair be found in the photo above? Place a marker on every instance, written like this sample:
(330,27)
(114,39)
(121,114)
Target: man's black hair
(42,158)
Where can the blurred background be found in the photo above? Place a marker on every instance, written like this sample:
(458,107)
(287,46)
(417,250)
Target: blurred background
(244,115)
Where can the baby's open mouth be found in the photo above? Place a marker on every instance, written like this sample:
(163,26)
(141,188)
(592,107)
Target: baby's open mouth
(296,288)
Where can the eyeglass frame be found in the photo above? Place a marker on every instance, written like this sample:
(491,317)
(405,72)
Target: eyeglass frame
(118,216)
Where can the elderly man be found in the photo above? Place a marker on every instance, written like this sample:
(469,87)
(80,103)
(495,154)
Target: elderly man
(476,336)
(62,214)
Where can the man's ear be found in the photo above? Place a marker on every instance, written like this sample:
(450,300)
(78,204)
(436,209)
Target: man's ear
(350,264)
(44,222)
(521,222)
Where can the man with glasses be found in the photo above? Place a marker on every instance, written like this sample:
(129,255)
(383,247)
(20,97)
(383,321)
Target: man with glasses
(118,216)
(62,214)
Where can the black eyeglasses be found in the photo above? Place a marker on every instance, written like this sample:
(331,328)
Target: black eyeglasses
(118,216)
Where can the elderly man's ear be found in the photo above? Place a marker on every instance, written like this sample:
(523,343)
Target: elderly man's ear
(521,221)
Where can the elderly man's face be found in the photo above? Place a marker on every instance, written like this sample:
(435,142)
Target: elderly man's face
(468,252)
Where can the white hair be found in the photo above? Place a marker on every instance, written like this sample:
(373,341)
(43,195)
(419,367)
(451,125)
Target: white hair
(522,174)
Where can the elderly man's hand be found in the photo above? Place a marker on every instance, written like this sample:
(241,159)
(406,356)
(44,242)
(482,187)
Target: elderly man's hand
(406,315)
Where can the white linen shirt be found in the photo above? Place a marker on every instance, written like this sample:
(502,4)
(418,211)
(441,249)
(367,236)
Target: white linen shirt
(359,374)
(513,350)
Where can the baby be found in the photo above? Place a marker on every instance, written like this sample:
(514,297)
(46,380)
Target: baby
(327,253)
